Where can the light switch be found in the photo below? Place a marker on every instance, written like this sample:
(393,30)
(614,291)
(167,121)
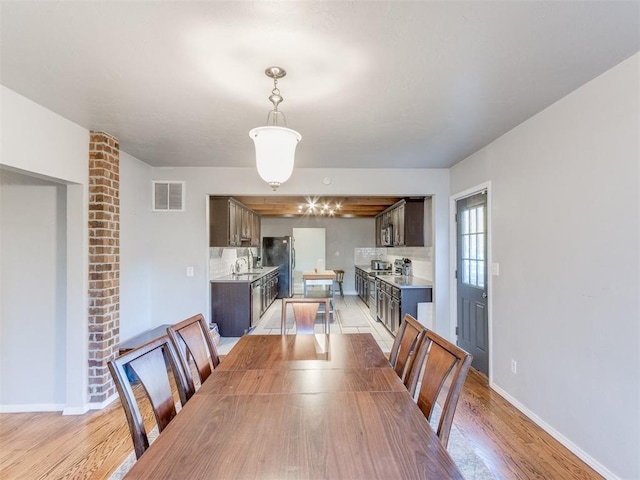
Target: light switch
(189,271)
(495,269)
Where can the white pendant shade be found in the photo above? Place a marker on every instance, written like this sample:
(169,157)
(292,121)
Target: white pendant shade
(275,153)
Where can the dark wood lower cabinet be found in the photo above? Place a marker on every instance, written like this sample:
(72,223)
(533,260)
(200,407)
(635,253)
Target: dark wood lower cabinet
(231,307)
(393,303)
(237,306)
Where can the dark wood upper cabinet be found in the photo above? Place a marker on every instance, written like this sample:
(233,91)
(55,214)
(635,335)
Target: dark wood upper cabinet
(407,220)
(231,224)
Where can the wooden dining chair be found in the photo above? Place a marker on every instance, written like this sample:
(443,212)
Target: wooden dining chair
(339,279)
(305,310)
(408,340)
(148,364)
(192,338)
(445,362)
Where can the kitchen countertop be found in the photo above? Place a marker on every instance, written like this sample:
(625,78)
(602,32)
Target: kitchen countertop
(368,269)
(401,281)
(250,276)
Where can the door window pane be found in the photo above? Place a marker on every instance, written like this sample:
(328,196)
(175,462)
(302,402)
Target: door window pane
(473,246)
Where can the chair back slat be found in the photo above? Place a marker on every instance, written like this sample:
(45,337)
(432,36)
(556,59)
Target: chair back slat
(408,340)
(439,365)
(151,371)
(191,337)
(196,345)
(305,315)
(149,365)
(305,311)
(443,363)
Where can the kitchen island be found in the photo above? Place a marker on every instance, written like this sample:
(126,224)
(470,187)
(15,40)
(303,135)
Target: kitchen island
(238,300)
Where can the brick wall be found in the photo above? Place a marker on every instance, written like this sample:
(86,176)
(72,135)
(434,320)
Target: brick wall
(104,262)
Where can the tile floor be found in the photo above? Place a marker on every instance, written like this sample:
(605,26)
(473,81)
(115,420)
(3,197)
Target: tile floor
(349,307)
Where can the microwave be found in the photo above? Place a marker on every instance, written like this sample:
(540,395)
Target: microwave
(387,235)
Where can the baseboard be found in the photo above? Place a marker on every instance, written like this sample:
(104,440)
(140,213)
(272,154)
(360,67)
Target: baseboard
(33,407)
(56,407)
(76,410)
(585,457)
(101,405)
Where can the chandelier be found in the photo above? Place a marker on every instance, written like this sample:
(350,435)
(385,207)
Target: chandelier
(275,144)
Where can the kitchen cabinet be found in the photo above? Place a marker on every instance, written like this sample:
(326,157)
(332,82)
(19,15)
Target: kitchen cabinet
(394,302)
(269,290)
(362,284)
(231,307)
(237,303)
(407,220)
(231,224)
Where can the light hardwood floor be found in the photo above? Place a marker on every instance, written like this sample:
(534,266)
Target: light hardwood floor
(91,446)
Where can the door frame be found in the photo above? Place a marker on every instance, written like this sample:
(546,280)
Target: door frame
(453,286)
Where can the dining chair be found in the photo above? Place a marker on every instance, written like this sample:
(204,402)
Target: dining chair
(407,342)
(305,310)
(339,279)
(148,364)
(192,337)
(437,362)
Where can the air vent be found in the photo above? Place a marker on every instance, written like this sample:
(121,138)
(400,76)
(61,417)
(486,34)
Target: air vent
(168,196)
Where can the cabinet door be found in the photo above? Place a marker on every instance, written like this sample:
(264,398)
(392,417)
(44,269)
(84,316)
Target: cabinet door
(255,230)
(399,225)
(381,296)
(233,224)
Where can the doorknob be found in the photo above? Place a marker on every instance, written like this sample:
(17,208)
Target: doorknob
(484,294)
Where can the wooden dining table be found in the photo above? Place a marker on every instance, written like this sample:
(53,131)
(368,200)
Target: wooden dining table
(299,407)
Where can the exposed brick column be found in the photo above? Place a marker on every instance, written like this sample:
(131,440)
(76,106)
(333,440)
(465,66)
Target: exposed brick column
(104,262)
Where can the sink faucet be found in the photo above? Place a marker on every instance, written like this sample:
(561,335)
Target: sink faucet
(250,258)
(237,264)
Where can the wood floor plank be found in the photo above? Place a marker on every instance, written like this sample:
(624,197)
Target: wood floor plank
(91,446)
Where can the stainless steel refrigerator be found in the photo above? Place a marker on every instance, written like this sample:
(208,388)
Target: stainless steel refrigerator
(279,251)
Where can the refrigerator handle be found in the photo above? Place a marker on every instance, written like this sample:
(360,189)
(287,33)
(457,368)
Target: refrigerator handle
(293,260)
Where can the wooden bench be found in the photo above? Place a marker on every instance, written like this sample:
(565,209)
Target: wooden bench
(139,340)
(142,338)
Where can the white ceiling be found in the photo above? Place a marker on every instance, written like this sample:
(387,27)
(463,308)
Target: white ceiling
(369,84)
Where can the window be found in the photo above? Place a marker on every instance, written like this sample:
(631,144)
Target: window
(473,246)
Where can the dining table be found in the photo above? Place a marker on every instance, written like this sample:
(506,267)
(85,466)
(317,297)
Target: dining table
(326,406)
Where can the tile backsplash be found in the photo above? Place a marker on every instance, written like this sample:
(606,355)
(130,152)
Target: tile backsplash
(221,259)
(421,258)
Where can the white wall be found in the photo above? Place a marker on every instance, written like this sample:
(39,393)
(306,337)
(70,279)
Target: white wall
(136,246)
(32,233)
(566,225)
(38,143)
(180,238)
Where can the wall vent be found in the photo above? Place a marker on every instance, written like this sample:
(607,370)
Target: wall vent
(168,196)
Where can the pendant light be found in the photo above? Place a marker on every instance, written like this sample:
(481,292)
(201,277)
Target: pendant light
(275,144)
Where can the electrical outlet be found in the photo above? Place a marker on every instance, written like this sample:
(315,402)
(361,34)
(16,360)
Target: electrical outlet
(514,366)
(189,271)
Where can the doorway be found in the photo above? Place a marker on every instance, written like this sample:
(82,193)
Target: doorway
(472,322)
(310,249)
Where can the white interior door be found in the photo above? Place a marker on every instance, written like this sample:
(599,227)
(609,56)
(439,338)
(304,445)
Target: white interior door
(310,244)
